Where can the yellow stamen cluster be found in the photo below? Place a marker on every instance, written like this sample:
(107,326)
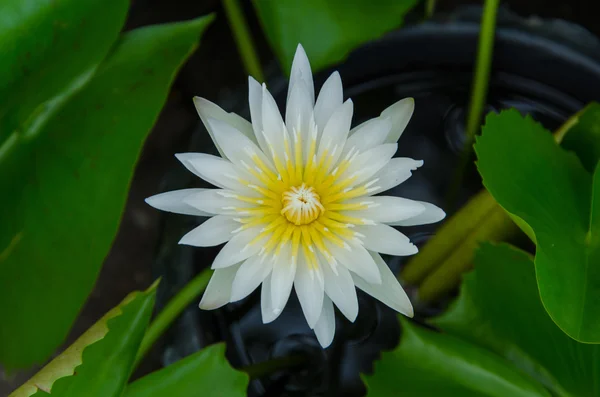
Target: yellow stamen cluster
(301,200)
(301,205)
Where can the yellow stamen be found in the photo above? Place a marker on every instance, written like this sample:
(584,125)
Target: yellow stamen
(301,205)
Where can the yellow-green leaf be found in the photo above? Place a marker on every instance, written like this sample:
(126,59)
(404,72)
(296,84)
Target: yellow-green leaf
(99,363)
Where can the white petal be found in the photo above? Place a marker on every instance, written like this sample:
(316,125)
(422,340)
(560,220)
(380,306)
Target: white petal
(217,201)
(238,148)
(385,239)
(206,109)
(325,326)
(301,74)
(218,289)
(237,249)
(266,303)
(340,288)
(213,169)
(174,202)
(249,276)
(282,278)
(370,162)
(386,209)
(255,102)
(396,171)
(400,113)
(299,114)
(309,290)
(369,134)
(274,128)
(336,131)
(431,214)
(330,98)
(214,231)
(390,292)
(357,260)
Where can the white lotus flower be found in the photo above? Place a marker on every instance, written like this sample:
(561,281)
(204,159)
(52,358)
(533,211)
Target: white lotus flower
(296,202)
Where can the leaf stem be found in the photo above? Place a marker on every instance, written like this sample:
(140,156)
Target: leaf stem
(429,8)
(478,90)
(267,367)
(243,39)
(189,293)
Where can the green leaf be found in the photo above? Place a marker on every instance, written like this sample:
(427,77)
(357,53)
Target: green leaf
(535,180)
(99,363)
(207,371)
(499,308)
(48,49)
(583,137)
(327,30)
(427,363)
(68,184)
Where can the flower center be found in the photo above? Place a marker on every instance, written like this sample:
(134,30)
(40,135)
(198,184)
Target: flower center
(301,205)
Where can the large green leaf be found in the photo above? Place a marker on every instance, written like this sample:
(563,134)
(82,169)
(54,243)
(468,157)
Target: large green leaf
(99,363)
(328,30)
(583,136)
(48,49)
(499,308)
(206,372)
(545,186)
(427,363)
(68,184)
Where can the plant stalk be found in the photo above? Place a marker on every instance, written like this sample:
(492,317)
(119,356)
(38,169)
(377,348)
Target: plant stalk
(188,294)
(478,91)
(429,8)
(243,39)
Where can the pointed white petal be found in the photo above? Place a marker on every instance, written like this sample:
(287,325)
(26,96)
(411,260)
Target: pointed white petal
(357,260)
(368,135)
(385,239)
(282,278)
(218,289)
(214,231)
(325,326)
(431,214)
(215,170)
(336,131)
(370,162)
(301,74)
(386,209)
(299,114)
(174,202)
(390,292)
(217,201)
(255,102)
(251,273)
(236,146)
(310,292)
(237,249)
(266,303)
(273,125)
(400,113)
(330,98)
(206,109)
(340,289)
(396,171)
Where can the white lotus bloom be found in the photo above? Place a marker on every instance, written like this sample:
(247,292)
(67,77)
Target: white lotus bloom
(295,202)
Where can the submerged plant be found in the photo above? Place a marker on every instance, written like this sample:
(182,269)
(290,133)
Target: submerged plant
(296,202)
